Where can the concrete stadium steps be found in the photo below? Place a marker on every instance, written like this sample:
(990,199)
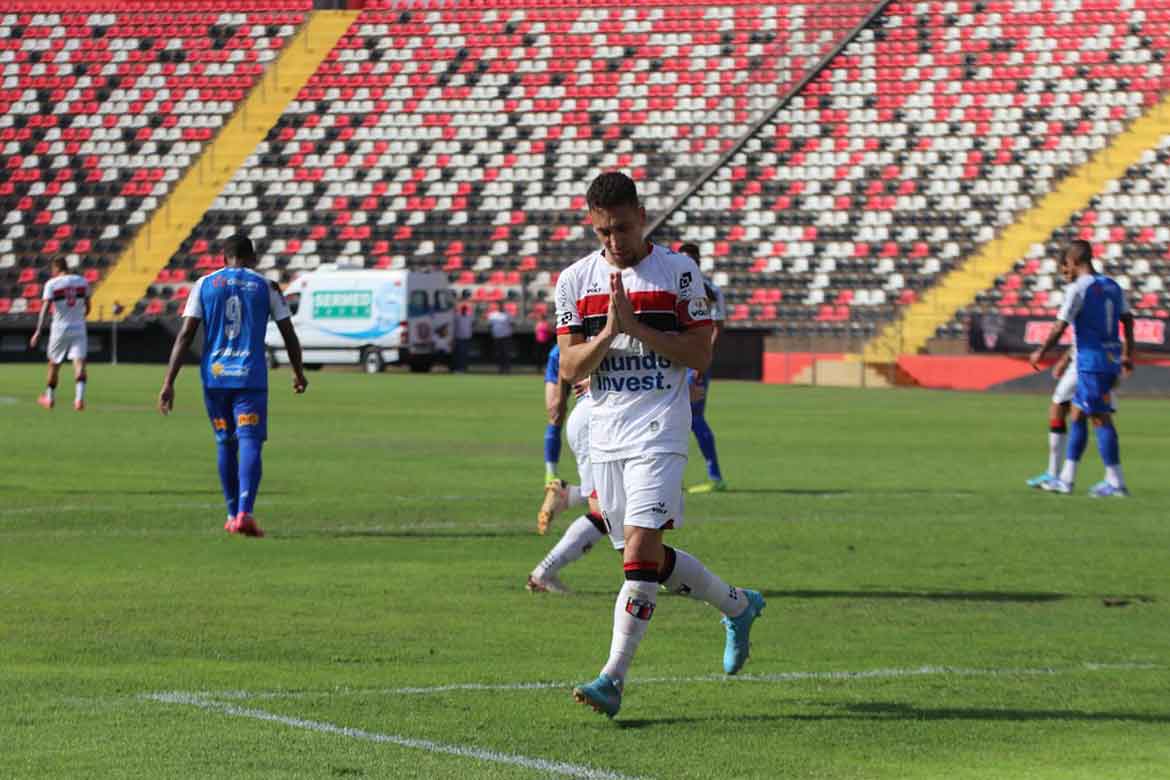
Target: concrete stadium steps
(910,332)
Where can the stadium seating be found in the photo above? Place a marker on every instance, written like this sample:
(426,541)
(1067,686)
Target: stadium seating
(102,107)
(928,135)
(462,135)
(1129,227)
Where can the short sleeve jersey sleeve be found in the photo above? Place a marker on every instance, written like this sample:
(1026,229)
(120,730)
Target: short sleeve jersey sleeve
(47,291)
(693,309)
(277,306)
(194,307)
(568,317)
(1074,299)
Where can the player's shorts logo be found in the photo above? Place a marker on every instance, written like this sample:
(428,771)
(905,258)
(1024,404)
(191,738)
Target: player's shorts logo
(219,423)
(247,419)
(216,369)
(698,309)
(643,610)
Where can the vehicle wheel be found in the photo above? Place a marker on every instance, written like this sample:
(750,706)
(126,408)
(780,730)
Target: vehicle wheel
(421,365)
(372,360)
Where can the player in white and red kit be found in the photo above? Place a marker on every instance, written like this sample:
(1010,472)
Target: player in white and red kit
(68,296)
(633,317)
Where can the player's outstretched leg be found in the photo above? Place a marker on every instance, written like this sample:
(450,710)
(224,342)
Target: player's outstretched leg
(48,398)
(1057,444)
(1113,486)
(227,458)
(706,439)
(1078,439)
(79,379)
(684,574)
(250,473)
(552,451)
(577,540)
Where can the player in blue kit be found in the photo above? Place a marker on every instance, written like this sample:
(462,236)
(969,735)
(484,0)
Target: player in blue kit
(1093,304)
(234,304)
(556,400)
(699,385)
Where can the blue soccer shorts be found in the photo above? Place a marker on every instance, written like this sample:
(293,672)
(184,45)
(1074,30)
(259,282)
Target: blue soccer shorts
(1093,392)
(237,414)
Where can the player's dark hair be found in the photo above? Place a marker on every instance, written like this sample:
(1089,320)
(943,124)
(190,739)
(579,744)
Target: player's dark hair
(60,264)
(612,190)
(240,247)
(691,250)
(1081,252)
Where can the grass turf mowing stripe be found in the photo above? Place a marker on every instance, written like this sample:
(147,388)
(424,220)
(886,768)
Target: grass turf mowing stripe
(870,674)
(546,766)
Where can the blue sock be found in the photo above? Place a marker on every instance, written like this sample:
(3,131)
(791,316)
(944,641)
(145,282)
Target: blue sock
(1108,445)
(706,439)
(229,471)
(1078,439)
(552,445)
(250,471)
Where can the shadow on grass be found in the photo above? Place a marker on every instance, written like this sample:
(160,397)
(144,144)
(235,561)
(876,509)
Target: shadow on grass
(893,711)
(211,494)
(833,493)
(991,596)
(879,710)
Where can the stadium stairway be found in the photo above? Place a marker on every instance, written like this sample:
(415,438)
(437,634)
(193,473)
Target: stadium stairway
(909,333)
(159,239)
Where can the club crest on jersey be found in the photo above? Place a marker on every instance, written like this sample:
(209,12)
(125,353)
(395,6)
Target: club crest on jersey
(217,369)
(640,608)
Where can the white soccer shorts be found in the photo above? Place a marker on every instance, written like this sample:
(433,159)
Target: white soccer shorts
(70,344)
(646,491)
(577,431)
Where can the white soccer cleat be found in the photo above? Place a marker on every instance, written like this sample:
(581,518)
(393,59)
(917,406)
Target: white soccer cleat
(546,583)
(1057,486)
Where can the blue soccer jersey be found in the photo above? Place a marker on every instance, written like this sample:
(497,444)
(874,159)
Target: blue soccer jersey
(235,305)
(1092,305)
(552,369)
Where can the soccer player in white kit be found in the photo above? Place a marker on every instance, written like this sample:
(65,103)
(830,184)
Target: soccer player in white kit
(587,529)
(68,296)
(1065,373)
(632,316)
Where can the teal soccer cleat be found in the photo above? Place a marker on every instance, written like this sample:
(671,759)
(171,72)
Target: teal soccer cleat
(1040,481)
(603,695)
(739,646)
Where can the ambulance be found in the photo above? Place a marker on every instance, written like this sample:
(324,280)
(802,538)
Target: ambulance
(370,318)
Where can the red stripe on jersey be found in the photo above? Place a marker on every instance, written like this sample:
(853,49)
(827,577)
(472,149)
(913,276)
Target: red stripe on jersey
(653,300)
(593,305)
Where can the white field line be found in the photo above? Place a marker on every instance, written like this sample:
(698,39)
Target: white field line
(542,765)
(778,677)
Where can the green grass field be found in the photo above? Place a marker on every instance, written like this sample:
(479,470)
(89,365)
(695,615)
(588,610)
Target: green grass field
(928,616)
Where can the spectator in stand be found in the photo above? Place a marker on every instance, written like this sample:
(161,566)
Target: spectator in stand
(544,340)
(501,325)
(464,318)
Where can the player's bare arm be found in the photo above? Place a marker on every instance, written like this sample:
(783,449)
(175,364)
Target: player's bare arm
(1050,342)
(691,348)
(1127,346)
(186,335)
(1062,364)
(580,358)
(556,400)
(36,336)
(292,345)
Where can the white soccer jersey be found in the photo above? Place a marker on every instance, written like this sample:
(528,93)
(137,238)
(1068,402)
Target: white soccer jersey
(640,400)
(67,293)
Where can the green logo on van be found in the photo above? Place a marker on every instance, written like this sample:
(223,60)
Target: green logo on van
(342,304)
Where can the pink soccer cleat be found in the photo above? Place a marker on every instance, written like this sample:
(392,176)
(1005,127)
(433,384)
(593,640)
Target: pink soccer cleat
(45,402)
(243,524)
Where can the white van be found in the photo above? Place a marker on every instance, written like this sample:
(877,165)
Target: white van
(368,317)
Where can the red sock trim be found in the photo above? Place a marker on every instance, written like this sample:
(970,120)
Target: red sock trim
(640,566)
